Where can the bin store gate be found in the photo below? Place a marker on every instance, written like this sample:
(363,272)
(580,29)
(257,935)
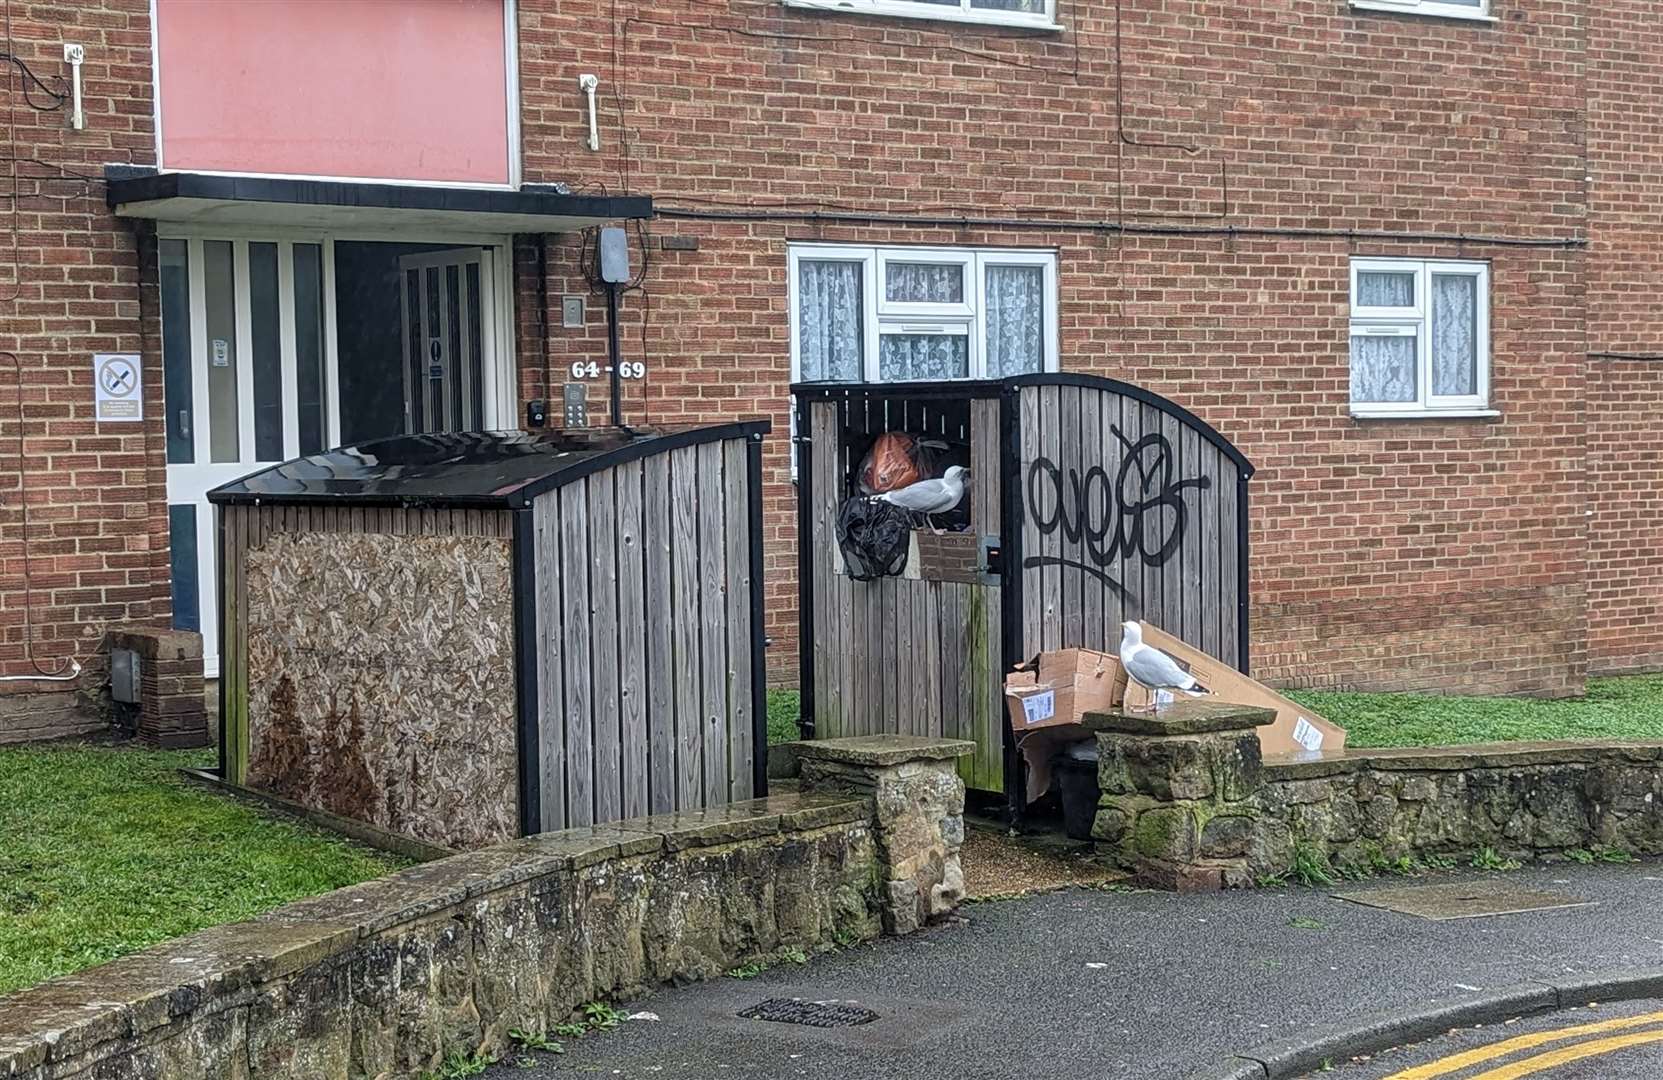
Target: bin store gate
(1091,502)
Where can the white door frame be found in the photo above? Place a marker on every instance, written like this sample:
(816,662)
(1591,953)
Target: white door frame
(189,483)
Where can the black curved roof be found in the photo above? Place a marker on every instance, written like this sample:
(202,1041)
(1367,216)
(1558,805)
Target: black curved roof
(476,468)
(991,388)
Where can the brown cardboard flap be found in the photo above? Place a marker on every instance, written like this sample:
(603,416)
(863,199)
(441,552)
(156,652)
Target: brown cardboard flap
(1297,731)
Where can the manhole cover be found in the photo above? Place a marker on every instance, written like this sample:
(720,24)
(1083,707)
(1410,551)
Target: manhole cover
(820,1014)
(1462,900)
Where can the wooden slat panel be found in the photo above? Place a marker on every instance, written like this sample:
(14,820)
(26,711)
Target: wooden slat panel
(926,675)
(684,636)
(574,566)
(551,660)
(1033,582)
(1173,593)
(1229,566)
(831,719)
(1154,591)
(742,747)
(1069,459)
(1191,464)
(1050,441)
(632,643)
(712,633)
(988,681)
(662,674)
(950,642)
(986,509)
(600,547)
(1213,566)
(1096,514)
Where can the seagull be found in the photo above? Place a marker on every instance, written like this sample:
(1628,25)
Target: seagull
(930,496)
(1152,668)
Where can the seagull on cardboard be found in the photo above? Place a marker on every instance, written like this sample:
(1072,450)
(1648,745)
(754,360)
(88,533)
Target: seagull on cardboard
(1153,669)
(928,497)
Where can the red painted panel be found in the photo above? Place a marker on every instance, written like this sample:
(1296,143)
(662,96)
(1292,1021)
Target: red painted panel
(383,89)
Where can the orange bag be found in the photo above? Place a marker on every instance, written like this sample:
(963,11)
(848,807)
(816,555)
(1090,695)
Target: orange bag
(891,463)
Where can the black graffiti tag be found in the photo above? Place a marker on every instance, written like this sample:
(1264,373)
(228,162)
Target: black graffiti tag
(1141,512)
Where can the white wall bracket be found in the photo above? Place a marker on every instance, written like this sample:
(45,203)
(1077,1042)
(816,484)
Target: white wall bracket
(589,84)
(73,56)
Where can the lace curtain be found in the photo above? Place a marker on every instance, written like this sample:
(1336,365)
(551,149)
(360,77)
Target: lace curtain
(1015,320)
(1382,368)
(1385,289)
(924,283)
(1454,334)
(828,320)
(1033,7)
(905,357)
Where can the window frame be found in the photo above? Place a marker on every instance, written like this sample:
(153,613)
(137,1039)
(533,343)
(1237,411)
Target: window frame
(913,9)
(879,316)
(1417,322)
(1432,8)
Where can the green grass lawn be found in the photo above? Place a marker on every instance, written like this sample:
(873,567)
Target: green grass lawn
(782,716)
(1630,707)
(104,851)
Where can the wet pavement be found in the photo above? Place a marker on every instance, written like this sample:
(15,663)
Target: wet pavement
(1136,985)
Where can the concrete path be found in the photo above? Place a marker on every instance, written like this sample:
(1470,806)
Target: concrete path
(1140,986)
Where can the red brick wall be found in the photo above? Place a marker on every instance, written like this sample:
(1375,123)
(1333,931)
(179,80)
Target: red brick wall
(1625,499)
(1424,554)
(1451,553)
(1625,282)
(69,287)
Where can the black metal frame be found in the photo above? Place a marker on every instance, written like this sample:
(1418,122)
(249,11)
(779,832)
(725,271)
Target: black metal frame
(1006,390)
(527,735)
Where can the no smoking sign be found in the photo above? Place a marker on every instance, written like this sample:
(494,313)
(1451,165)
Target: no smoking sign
(117,387)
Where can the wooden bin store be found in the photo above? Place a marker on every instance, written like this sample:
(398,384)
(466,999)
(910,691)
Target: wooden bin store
(463,638)
(1090,502)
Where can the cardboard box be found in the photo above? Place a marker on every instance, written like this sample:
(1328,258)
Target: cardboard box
(1297,732)
(1061,687)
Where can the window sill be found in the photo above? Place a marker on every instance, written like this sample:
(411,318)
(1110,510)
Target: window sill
(988,18)
(1427,414)
(1417,9)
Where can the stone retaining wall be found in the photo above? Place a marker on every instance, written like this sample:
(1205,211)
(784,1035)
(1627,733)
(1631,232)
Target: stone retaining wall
(1187,803)
(1524,800)
(382,979)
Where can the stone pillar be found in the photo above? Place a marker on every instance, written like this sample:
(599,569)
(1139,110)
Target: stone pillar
(1178,792)
(917,815)
(172,714)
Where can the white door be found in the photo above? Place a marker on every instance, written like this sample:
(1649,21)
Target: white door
(249,374)
(446,301)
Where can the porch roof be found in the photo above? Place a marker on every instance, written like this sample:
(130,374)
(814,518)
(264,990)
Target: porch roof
(345,205)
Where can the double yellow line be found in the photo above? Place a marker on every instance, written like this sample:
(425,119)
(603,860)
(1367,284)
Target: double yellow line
(1531,1065)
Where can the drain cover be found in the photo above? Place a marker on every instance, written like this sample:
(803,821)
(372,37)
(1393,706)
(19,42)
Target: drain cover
(1463,900)
(820,1014)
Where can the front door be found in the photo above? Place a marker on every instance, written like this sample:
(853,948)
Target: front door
(444,301)
(250,367)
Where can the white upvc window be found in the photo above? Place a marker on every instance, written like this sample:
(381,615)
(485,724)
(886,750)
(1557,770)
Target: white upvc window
(1031,13)
(898,314)
(1420,338)
(1476,10)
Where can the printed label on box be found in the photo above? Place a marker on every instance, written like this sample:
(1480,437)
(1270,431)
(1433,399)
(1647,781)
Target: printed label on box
(1306,735)
(1037,708)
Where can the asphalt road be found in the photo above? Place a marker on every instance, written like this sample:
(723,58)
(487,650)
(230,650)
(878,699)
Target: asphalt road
(1603,1042)
(1127,986)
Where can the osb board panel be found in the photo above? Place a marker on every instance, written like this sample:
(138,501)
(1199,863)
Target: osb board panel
(381,681)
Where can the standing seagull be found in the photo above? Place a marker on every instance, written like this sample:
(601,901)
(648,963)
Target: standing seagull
(928,497)
(1152,668)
